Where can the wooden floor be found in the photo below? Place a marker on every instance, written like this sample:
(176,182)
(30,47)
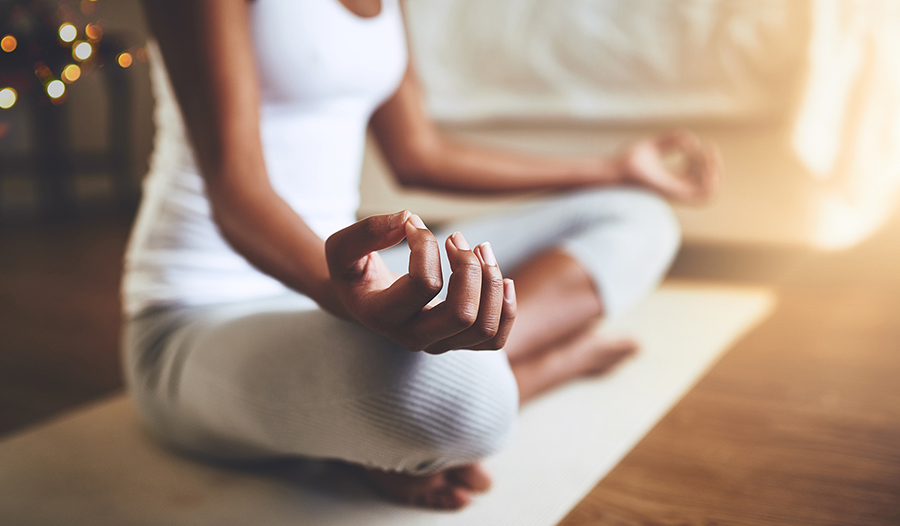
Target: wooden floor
(798,424)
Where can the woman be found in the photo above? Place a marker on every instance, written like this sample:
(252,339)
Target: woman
(248,335)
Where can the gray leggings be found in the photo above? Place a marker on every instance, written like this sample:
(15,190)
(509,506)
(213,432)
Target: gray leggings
(279,377)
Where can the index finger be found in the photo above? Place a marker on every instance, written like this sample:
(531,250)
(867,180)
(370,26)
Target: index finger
(345,250)
(407,296)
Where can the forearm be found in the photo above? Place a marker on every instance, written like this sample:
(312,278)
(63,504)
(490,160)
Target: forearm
(207,48)
(422,156)
(263,228)
(457,167)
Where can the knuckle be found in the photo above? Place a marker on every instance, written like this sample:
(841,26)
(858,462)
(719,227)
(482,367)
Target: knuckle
(428,285)
(485,331)
(464,316)
(370,227)
(470,270)
(468,262)
(500,341)
(495,281)
(429,244)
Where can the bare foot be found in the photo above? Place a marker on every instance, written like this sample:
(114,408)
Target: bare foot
(596,354)
(588,354)
(450,489)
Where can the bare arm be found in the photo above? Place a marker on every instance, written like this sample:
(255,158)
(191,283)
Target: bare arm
(421,156)
(208,51)
(207,47)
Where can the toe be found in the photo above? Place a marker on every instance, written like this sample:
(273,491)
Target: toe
(456,498)
(473,477)
(612,354)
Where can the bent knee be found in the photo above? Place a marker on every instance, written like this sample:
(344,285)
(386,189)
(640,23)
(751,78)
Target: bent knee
(656,220)
(455,415)
(639,210)
(632,238)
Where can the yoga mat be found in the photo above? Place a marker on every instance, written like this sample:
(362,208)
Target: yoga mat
(97,466)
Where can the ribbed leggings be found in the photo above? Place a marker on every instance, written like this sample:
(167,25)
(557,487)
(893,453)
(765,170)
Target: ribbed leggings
(278,376)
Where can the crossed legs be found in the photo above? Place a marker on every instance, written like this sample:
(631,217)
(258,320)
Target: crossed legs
(279,377)
(555,340)
(574,259)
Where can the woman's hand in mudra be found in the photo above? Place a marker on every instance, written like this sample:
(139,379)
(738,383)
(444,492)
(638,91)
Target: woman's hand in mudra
(480,306)
(675,164)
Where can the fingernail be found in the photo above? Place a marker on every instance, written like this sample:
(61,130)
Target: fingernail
(488,254)
(416,221)
(397,219)
(459,241)
(509,290)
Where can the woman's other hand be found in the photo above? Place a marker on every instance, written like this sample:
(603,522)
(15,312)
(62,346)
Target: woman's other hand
(480,307)
(675,164)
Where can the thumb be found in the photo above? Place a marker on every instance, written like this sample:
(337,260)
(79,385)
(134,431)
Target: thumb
(346,249)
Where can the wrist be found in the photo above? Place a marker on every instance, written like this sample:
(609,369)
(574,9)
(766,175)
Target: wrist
(600,171)
(613,170)
(323,291)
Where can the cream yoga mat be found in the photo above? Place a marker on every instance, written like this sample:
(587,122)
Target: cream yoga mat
(96,466)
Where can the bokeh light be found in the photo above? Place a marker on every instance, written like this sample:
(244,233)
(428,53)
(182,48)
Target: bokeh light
(82,51)
(8,43)
(7,98)
(56,89)
(71,73)
(124,59)
(93,31)
(67,32)
(41,70)
(141,54)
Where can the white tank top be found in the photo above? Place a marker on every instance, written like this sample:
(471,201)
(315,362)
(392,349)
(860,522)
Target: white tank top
(322,70)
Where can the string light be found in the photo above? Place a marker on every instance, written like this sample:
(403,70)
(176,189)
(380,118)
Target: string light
(71,73)
(82,50)
(93,31)
(8,43)
(7,98)
(56,89)
(124,59)
(80,41)
(41,70)
(67,32)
